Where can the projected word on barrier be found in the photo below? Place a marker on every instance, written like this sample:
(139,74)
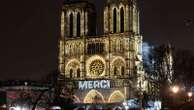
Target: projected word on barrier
(101,84)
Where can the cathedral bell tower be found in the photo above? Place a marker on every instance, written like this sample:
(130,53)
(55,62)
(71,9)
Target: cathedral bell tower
(78,21)
(122,25)
(121,16)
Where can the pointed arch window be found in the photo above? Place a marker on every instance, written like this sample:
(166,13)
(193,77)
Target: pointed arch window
(115,71)
(114,20)
(121,20)
(122,71)
(78,25)
(71,25)
(78,73)
(71,73)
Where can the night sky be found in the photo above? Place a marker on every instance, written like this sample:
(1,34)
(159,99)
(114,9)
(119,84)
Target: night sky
(30,31)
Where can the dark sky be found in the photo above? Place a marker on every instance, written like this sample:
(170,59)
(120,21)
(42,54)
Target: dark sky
(30,30)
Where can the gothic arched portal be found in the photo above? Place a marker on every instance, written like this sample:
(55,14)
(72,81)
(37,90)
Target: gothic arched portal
(94,96)
(116,96)
(118,66)
(72,68)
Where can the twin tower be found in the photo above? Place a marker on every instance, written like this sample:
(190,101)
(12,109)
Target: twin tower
(92,60)
(79,18)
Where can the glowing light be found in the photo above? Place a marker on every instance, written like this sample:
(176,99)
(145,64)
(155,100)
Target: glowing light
(18,108)
(15,108)
(175,89)
(73,61)
(94,84)
(90,97)
(125,103)
(88,63)
(133,103)
(116,96)
(190,94)
(55,108)
(118,58)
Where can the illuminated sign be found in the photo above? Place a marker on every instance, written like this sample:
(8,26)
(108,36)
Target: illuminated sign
(104,84)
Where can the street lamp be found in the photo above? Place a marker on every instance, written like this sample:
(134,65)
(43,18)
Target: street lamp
(55,108)
(175,89)
(190,94)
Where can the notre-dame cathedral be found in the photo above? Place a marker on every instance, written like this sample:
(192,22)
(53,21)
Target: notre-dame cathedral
(106,68)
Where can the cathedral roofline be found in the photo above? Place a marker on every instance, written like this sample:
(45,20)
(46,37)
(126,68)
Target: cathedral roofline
(78,4)
(75,2)
(117,1)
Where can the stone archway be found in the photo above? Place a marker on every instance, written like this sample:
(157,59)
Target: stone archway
(94,96)
(118,66)
(116,96)
(71,68)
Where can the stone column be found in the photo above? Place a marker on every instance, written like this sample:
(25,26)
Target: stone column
(127,58)
(68,23)
(127,20)
(106,16)
(118,20)
(86,22)
(111,19)
(134,20)
(138,23)
(82,68)
(82,22)
(131,18)
(62,23)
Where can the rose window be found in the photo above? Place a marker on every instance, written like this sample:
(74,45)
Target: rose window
(96,67)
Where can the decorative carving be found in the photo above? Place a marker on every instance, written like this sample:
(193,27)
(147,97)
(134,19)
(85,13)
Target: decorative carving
(72,67)
(96,67)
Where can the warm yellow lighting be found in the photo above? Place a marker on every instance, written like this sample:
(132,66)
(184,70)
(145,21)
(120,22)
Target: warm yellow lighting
(190,94)
(116,96)
(93,96)
(98,70)
(175,89)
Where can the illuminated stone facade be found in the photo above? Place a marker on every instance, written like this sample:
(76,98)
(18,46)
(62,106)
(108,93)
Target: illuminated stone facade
(115,56)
